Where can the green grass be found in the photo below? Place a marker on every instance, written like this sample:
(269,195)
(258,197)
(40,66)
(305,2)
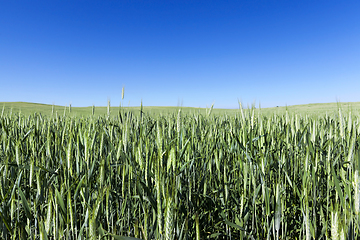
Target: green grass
(180,175)
(45,109)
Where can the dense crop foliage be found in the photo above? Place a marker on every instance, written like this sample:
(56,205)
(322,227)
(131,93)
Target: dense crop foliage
(180,176)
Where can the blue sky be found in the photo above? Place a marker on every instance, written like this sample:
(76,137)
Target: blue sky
(171,53)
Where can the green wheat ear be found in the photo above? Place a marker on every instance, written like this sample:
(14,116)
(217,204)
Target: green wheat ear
(169,215)
(108,108)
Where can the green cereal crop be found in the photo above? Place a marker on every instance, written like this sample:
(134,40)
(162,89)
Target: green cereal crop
(179,175)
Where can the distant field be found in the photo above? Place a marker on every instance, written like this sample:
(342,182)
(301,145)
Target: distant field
(45,109)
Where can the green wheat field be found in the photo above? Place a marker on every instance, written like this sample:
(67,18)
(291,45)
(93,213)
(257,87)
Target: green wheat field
(179,173)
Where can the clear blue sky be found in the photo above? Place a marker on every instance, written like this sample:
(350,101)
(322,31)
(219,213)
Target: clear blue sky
(171,53)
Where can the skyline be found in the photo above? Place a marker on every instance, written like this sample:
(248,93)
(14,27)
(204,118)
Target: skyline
(275,53)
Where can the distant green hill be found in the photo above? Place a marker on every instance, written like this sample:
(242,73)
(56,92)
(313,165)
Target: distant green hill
(46,109)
